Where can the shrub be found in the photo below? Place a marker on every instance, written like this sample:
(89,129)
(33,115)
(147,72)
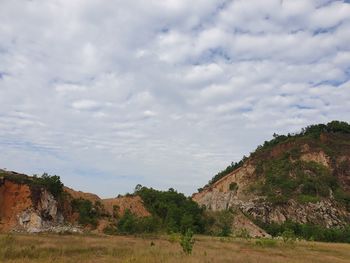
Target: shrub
(51,182)
(88,214)
(288,236)
(219,223)
(187,242)
(129,223)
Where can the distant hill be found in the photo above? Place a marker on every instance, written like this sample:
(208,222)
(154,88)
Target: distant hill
(296,179)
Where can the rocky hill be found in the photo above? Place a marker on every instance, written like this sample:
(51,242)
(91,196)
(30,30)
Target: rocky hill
(301,178)
(36,204)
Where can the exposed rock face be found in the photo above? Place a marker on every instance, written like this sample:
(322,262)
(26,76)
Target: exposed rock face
(17,211)
(45,216)
(219,196)
(23,210)
(326,212)
(14,198)
(318,157)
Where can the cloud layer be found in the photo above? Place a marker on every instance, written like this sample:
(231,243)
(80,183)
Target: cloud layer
(109,94)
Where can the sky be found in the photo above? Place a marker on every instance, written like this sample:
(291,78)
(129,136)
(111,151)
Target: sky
(111,94)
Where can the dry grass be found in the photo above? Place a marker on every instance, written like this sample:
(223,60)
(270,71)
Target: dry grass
(87,248)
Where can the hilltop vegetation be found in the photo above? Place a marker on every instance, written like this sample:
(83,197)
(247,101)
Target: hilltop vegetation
(310,132)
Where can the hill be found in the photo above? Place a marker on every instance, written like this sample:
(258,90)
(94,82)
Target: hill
(297,181)
(37,204)
(295,184)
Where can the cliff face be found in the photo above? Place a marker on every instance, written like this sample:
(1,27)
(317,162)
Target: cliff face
(34,209)
(18,211)
(301,180)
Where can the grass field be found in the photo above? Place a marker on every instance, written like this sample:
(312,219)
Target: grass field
(89,248)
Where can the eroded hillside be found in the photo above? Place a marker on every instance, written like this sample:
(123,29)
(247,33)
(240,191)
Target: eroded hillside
(302,178)
(27,204)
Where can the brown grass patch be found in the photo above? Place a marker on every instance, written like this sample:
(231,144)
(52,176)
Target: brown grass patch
(99,248)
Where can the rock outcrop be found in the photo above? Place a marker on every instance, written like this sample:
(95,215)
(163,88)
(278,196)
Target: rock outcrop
(248,197)
(33,209)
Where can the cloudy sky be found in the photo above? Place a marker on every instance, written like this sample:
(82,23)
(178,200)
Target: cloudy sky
(109,94)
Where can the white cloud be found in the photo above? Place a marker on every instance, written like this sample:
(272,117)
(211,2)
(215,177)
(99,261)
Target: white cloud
(163,93)
(85,105)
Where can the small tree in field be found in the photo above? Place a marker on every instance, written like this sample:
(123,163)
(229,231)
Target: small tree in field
(187,242)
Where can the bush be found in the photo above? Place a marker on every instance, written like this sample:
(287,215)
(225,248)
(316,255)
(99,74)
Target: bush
(288,236)
(219,223)
(129,223)
(51,182)
(187,242)
(88,214)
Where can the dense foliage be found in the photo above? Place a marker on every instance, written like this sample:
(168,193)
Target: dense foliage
(50,182)
(309,231)
(175,211)
(89,213)
(132,224)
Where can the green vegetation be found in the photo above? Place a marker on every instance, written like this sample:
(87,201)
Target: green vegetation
(88,213)
(288,236)
(307,231)
(312,131)
(132,224)
(187,242)
(286,179)
(174,211)
(50,182)
(219,223)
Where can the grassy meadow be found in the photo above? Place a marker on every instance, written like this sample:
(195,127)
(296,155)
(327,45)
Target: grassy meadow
(100,248)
